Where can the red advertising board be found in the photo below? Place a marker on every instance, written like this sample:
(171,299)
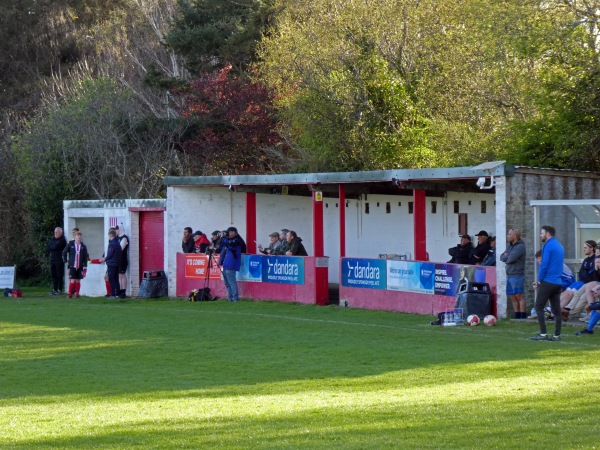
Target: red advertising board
(196,265)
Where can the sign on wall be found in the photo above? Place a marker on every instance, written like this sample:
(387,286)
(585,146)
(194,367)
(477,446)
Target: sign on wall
(364,273)
(196,266)
(286,270)
(410,276)
(251,269)
(7,277)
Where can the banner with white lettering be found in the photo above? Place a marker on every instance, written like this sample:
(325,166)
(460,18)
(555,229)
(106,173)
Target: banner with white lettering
(409,276)
(283,269)
(364,273)
(196,265)
(448,277)
(7,277)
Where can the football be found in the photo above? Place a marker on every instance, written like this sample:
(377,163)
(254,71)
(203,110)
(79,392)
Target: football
(473,320)
(489,320)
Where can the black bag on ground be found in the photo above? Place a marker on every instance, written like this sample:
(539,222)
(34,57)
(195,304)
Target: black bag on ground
(201,295)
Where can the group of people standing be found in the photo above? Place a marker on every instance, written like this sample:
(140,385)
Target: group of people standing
(75,254)
(286,242)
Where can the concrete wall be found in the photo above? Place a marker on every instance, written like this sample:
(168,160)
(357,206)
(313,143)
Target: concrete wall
(543,184)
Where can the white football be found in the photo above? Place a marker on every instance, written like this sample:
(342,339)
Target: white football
(473,320)
(489,320)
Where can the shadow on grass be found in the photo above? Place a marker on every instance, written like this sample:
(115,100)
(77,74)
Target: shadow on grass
(56,347)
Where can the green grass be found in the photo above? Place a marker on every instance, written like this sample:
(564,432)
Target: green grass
(173,374)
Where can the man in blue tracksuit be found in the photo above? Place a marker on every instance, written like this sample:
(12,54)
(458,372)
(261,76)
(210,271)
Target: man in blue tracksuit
(549,283)
(231,260)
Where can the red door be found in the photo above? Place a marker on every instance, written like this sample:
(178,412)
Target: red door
(152,241)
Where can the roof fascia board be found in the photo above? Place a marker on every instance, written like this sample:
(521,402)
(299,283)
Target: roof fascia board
(375,176)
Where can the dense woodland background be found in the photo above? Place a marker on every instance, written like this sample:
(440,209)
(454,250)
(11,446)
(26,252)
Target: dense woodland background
(103,98)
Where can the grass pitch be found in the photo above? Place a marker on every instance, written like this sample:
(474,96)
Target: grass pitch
(172,374)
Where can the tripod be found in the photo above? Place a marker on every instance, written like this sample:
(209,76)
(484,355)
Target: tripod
(205,296)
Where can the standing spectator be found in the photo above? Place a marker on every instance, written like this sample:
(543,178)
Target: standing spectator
(514,259)
(76,259)
(57,267)
(201,242)
(490,259)
(461,254)
(187,242)
(295,245)
(549,284)
(273,246)
(113,261)
(481,250)
(124,243)
(283,243)
(215,242)
(231,262)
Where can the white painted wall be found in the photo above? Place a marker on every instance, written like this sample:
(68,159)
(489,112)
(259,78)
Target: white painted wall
(367,235)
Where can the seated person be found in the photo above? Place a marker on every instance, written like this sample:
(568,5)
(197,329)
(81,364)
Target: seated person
(490,259)
(461,254)
(483,247)
(585,272)
(295,245)
(273,246)
(594,318)
(589,296)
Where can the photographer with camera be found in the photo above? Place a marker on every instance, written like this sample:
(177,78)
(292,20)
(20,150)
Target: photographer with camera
(231,260)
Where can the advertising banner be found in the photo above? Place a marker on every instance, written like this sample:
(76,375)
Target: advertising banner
(364,273)
(409,276)
(283,269)
(251,269)
(7,277)
(448,277)
(196,266)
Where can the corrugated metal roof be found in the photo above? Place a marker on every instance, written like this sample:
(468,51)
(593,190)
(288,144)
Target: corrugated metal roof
(448,173)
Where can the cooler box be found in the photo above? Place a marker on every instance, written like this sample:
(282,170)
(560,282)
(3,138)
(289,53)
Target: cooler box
(474,298)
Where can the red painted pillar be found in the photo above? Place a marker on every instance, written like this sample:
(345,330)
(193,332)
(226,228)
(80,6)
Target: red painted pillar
(321,270)
(420,225)
(250,222)
(342,200)
(318,240)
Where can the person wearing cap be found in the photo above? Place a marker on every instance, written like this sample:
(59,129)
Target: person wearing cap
(461,254)
(514,259)
(482,248)
(273,246)
(215,243)
(490,259)
(283,243)
(231,261)
(201,242)
(187,241)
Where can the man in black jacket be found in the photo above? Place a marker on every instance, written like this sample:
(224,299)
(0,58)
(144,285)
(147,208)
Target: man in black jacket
(461,254)
(296,248)
(482,249)
(57,267)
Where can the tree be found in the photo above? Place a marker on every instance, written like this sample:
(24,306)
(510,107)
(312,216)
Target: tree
(211,34)
(231,126)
